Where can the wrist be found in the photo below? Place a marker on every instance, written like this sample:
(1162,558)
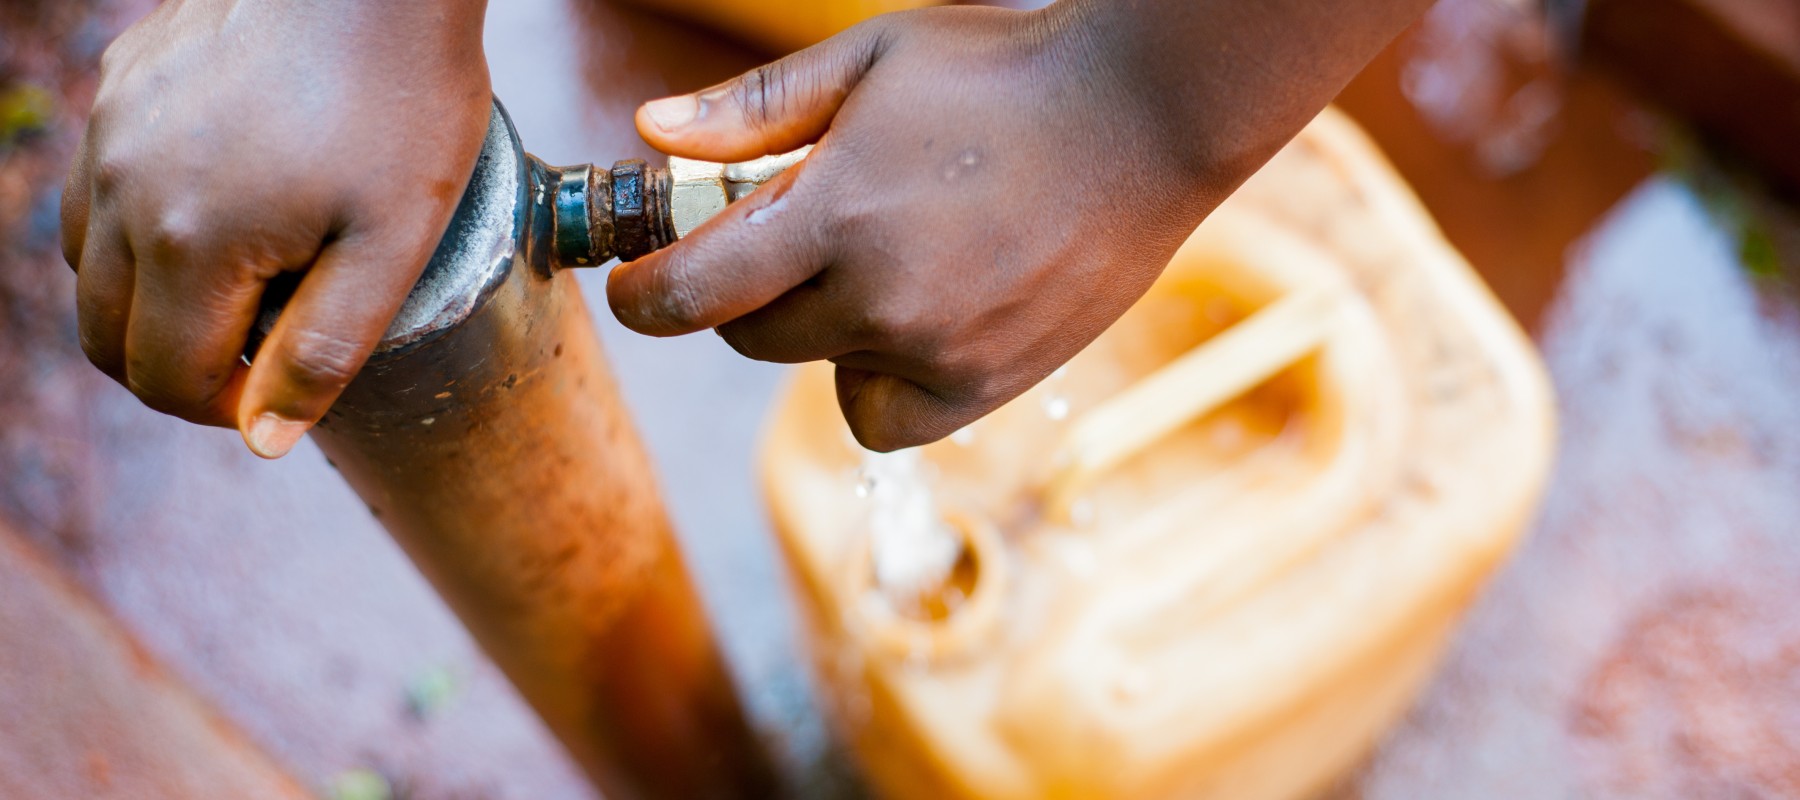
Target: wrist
(414,27)
(1221,85)
(1172,124)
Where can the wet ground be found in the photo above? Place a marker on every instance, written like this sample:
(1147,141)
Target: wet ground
(1642,643)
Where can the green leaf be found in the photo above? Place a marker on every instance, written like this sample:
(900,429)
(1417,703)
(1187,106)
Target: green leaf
(361,784)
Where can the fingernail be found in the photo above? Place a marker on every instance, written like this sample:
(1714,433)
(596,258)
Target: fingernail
(272,435)
(671,113)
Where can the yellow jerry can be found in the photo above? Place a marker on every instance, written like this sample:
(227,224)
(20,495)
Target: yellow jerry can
(1218,553)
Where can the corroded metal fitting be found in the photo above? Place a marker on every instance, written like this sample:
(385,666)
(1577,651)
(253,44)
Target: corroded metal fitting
(633,209)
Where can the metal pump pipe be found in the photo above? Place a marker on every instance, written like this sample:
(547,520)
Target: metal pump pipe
(487,434)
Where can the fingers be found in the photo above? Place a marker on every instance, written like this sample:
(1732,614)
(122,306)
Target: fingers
(104,282)
(771,109)
(77,197)
(887,412)
(185,340)
(330,326)
(812,322)
(753,252)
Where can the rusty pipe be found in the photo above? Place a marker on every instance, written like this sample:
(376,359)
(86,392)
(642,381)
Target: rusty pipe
(487,435)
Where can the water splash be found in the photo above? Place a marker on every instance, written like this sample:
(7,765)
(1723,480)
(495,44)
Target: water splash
(911,547)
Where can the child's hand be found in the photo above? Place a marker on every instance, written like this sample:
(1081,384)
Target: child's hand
(987,201)
(231,142)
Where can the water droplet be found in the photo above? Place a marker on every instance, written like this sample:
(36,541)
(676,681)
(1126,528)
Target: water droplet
(865,484)
(1056,406)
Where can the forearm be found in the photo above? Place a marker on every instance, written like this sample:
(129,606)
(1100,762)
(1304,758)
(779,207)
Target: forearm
(1224,83)
(405,29)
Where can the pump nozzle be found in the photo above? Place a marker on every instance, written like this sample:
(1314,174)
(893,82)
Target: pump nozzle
(633,209)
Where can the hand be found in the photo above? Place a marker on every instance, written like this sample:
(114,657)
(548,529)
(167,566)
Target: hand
(235,140)
(985,203)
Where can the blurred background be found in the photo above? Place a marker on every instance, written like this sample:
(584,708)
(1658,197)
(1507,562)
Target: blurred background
(1620,172)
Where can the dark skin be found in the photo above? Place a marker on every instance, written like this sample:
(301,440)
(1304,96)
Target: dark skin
(990,191)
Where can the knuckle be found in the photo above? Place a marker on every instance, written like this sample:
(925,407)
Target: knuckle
(114,55)
(966,365)
(175,231)
(159,394)
(988,388)
(98,353)
(890,320)
(111,172)
(738,340)
(678,303)
(73,240)
(316,360)
(758,93)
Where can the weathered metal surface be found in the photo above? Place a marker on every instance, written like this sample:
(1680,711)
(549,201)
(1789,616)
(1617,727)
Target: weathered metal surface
(491,441)
(90,714)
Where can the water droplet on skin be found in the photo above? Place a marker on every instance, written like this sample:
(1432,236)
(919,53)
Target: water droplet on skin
(865,484)
(768,212)
(1056,407)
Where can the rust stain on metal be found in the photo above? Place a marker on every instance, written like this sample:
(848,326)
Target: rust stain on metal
(529,503)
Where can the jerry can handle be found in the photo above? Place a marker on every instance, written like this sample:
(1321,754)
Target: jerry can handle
(1213,373)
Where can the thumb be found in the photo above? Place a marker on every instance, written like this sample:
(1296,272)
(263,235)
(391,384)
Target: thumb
(774,108)
(329,327)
